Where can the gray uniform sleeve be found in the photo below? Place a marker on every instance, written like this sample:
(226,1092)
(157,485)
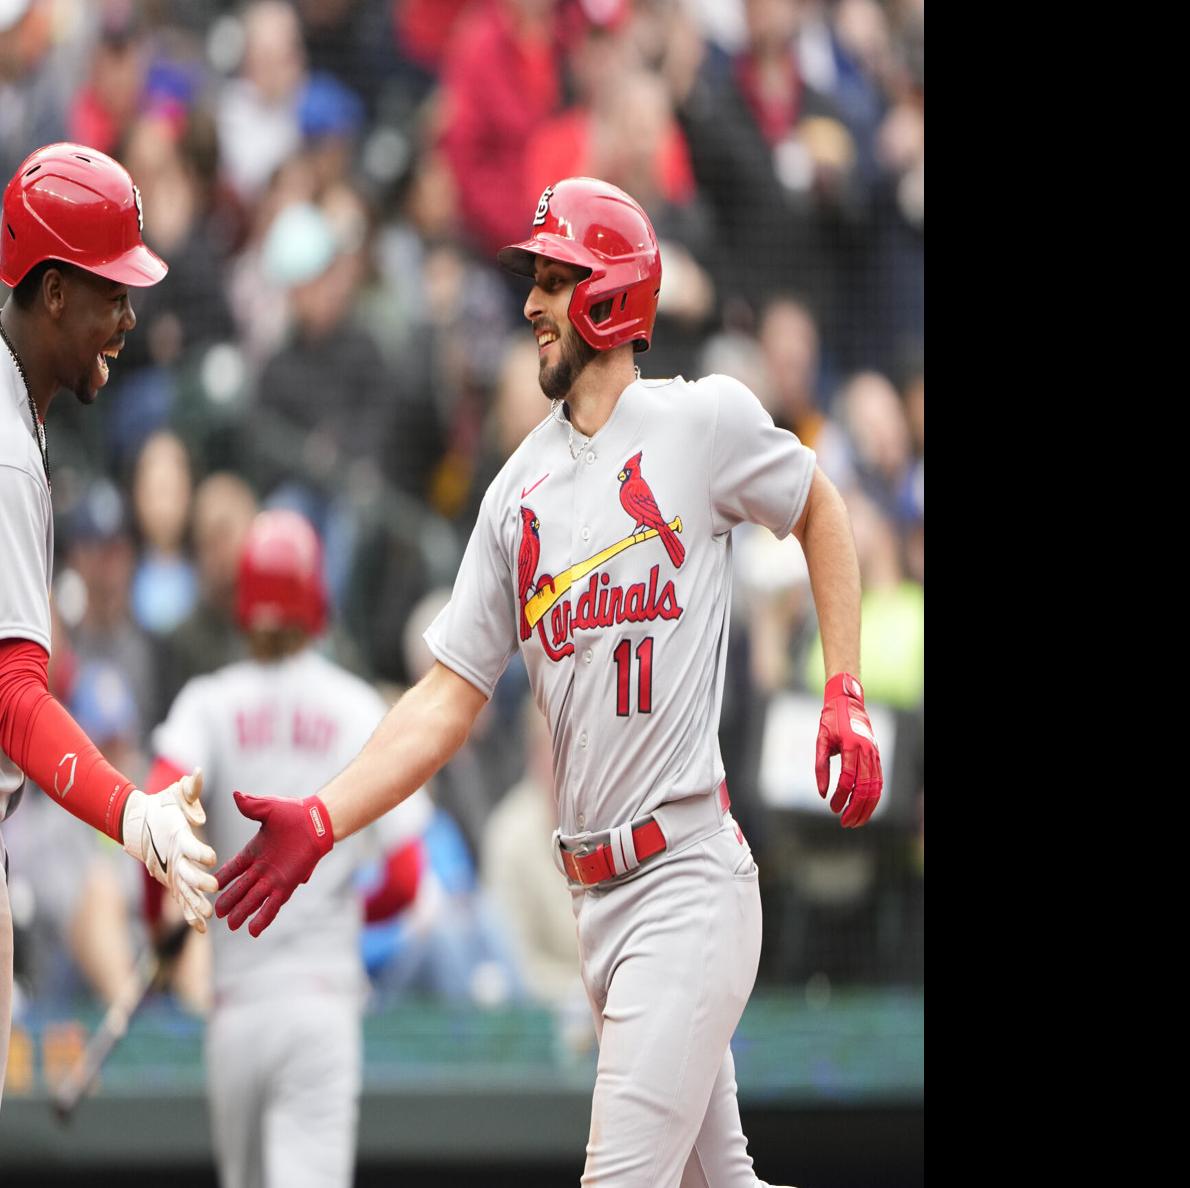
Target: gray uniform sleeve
(758,473)
(476,632)
(24,526)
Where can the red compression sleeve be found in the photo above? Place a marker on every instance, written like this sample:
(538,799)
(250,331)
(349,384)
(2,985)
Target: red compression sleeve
(162,775)
(49,746)
(402,870)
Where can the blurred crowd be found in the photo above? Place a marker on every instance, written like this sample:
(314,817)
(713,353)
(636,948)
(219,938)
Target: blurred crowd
(329,181)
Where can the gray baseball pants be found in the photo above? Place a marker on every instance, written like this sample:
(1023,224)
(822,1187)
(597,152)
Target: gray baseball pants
(283,1084)
(669,959)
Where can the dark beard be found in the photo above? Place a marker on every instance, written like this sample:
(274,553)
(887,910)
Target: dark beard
(557,381)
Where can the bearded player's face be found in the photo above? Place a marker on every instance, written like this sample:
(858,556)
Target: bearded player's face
(562,353)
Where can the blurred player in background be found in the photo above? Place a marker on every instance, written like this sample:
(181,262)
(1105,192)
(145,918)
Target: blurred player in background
(70,247)
(284,1041)
(603,552)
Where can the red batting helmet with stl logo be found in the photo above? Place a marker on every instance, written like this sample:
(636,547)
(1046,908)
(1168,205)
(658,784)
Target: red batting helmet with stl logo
(595,225)
(280,578)
(73,203)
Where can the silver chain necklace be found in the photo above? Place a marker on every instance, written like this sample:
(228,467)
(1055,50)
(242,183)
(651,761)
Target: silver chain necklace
(38,427)
(564,420)
(556,410)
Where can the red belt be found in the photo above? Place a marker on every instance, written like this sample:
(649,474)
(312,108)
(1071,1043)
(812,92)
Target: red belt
(647,838)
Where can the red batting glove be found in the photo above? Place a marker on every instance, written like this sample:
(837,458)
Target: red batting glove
(844,729)
(293,836)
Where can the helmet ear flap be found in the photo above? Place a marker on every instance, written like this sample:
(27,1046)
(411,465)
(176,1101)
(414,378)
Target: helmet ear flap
(602,311)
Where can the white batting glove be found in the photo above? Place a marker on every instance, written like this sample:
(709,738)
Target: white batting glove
(158,830)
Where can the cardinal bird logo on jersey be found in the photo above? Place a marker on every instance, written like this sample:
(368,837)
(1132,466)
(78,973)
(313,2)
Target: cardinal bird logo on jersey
(637,500)
(526,568)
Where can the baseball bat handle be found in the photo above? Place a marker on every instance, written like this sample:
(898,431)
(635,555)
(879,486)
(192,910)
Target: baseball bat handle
(71,1090)
(149,973)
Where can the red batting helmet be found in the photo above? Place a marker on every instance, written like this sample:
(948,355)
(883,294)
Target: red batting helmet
(585,221)
(73,203)
(280,578)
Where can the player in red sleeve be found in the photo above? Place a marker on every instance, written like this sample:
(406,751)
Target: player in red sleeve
(70,248)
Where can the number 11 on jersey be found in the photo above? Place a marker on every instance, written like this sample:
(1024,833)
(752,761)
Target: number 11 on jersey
(644,684)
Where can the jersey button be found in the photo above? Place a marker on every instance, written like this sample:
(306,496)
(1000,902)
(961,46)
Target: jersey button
(585,534)
(588,656)
(582,821)
(590,457)
(582,740)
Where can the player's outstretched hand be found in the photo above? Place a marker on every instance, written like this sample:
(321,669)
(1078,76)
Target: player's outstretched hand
(844,730)
(293,836)
(159,831)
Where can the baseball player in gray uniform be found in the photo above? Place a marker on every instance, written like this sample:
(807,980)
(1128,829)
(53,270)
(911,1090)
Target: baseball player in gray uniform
(70,247)
(603,551)
(284,1042)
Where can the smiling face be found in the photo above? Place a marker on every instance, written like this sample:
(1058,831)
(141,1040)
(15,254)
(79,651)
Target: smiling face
(93,315)
(561,351)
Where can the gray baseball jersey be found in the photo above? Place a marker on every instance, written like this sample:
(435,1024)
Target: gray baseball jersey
(612,571)
(26,540)
(283,729)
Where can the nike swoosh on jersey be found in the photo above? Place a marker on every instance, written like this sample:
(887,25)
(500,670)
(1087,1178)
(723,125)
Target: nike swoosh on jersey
(525,492)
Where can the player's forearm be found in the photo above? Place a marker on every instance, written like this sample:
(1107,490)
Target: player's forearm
(417,737)
(829,546)
(50,747)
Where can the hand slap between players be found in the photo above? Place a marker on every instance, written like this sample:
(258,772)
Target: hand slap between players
(158,830)
(293,836)
(845,730)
